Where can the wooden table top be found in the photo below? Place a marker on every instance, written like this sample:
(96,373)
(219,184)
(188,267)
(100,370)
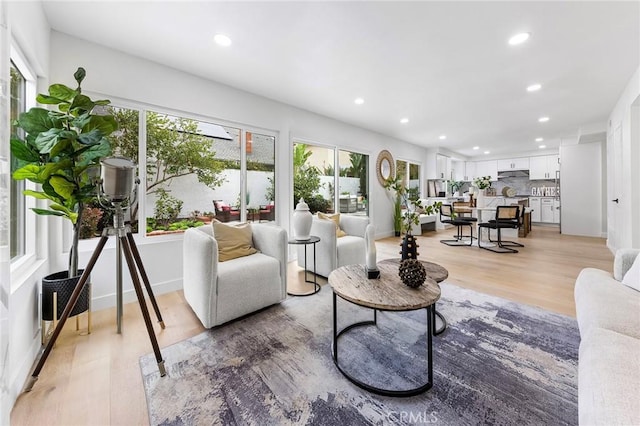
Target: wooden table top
(434,271)
(388,293)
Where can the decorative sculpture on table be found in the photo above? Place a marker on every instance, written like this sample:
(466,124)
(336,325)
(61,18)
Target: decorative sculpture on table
(371,266)
(302,220)
(412,273)
(409,247)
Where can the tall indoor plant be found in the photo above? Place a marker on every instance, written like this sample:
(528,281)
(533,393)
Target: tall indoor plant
(59,148)
(407,206)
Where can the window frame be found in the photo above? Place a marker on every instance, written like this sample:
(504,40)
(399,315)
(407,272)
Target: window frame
(20,264)
(143,108)
(336,166)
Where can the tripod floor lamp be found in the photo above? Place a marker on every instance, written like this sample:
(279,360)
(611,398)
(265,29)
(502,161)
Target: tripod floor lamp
(117,182)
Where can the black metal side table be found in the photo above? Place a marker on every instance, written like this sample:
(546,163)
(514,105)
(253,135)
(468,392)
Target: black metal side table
(313,240)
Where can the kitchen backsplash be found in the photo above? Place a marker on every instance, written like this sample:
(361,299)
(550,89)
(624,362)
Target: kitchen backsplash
(523,186)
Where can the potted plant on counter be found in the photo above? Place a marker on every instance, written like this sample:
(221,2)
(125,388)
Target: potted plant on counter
(60,151)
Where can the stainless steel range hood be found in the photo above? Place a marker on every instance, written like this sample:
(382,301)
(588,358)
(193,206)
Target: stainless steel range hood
(513,174)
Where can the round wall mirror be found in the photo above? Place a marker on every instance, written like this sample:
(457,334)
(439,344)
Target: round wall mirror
(385,166)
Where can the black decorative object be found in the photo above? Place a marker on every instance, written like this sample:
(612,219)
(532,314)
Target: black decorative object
(63,285)
(409,247)
(412,273)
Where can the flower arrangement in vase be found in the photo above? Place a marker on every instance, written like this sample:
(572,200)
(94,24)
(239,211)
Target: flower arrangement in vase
(482,183)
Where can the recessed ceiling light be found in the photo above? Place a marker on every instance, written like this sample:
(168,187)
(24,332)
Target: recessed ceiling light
(476,147)
(543,119)
(534,87)
(542,146)
(539,139)
(404,120)
(358,101)
(487,152)
(222,40)
(519,38)
(442,137)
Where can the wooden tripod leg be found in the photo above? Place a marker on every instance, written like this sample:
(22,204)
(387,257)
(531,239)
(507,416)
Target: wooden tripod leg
(145,278)
(67,310)
(143,304)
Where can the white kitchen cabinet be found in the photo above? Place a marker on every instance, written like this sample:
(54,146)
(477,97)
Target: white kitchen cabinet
(534,204)
(487,168)
(443,167)
(513,164)
(546,210)
(469,170)
(543,167)
(549,210)
(458,170)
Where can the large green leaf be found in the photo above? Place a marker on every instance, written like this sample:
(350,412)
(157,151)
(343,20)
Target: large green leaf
(45,141)
(37,194)
(48,212)
(79,75)
(62,92)
(60,208)
(94,152)
(61,147)
(23,151)
(49,100)
(51,168)
(81,120)
(30,172)
(91,138)
(35,120)
(82,102)
(62,186)
(48,189)
(106,123)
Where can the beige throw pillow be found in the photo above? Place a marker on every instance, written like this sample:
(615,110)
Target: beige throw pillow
(336,219)
(233,241)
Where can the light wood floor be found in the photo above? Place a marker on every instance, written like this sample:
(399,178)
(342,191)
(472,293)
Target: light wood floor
(95,379)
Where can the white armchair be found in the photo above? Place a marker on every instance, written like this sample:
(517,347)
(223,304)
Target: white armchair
(221,291)
(333,252)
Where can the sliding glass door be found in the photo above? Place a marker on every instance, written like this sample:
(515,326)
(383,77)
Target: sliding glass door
(315,176)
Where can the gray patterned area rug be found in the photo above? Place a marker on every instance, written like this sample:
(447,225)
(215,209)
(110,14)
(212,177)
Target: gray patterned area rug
(498,363)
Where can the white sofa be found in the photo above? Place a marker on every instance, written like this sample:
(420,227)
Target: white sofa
(608,314)
(222,291)
(333,252)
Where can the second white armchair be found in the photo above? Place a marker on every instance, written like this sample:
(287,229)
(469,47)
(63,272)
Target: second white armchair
(334,252)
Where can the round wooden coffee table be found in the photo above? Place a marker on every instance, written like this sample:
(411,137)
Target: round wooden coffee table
(388,293)
(436,273)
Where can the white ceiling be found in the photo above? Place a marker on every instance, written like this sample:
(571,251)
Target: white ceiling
(444,65)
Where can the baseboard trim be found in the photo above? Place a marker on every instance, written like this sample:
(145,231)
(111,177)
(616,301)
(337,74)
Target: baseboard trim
(128,296)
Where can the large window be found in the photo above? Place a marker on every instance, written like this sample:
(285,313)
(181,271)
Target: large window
(191,171)
(17,221)
(409,173)
(353,181)
(196,171)
(315,176)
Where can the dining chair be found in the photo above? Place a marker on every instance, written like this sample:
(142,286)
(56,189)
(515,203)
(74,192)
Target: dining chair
(447,215)
(507,217)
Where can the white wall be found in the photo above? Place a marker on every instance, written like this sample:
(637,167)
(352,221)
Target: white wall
(30,32)
(582,190)
(625,116)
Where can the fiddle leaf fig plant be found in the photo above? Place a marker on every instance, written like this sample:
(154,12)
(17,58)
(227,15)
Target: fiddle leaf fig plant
(60,150)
